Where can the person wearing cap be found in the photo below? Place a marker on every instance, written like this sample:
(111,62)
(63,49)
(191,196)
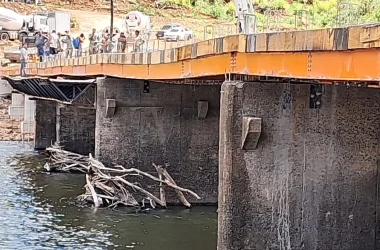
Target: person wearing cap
(94,39)
(40,43)
(69,44)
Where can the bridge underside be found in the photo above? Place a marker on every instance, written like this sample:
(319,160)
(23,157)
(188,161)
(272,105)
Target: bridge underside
(298,161)
(60,90)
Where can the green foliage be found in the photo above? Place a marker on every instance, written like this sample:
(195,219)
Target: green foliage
(318,14)
(321,13)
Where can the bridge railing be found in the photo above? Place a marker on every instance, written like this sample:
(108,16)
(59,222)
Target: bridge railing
(209,32)
(271,23)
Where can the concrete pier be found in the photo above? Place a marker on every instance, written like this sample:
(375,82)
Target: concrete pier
(292,166)
(298,163)
(311,179)
(72,126)
(141,122)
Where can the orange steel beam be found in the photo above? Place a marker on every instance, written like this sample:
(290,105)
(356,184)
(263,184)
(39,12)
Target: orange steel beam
(354,65)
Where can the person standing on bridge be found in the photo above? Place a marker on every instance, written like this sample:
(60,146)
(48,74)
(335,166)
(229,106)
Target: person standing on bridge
(23,58)
(80,39)
(40,43)
(69,44)
(138,41)
(94,41)
(53,43)
(121,43)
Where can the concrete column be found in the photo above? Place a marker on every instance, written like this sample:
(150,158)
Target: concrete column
(312,180)
(16,109)
(141,122)
(27,124)
(45,124)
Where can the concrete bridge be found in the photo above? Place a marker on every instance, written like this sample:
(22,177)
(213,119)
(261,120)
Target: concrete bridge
(279,129)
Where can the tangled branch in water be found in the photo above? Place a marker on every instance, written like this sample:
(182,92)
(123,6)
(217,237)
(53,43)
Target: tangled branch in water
(110,187)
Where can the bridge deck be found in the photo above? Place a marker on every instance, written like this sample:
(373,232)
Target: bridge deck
(339,54)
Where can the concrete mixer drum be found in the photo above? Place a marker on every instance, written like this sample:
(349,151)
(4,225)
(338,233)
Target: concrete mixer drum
(136,20)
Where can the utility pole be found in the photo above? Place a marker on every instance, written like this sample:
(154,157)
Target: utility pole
(111,31)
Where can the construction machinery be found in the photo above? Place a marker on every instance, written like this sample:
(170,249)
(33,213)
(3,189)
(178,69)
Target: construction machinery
(135,20)
(246,18)
(14,26)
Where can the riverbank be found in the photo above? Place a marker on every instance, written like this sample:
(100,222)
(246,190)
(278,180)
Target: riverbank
(9,129)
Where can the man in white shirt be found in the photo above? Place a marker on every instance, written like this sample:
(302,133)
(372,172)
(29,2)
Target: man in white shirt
(53,43)
(23,58)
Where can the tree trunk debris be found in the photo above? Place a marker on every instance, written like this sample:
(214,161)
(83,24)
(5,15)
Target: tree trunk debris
(111,187)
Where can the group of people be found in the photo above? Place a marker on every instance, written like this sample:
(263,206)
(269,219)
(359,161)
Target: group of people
(56,43)
(103,44)
(50,45)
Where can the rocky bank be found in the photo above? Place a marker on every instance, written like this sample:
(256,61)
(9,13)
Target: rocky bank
(9,129)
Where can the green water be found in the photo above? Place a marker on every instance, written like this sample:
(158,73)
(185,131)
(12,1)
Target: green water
(38,211)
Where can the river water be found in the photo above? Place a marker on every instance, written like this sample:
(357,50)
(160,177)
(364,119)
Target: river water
(38,211)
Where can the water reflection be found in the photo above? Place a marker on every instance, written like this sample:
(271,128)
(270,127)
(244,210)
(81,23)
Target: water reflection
(38,212)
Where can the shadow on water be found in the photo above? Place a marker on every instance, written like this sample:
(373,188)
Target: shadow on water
(38,212)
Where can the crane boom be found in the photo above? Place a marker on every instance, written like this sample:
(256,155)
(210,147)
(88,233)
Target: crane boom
(245,15)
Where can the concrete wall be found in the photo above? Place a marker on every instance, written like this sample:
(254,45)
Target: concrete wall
(45,128)
(162,127)
(5,88)
(29,109)
(76,128)
(27,124)
(312,182)
(18,99)
(16,109)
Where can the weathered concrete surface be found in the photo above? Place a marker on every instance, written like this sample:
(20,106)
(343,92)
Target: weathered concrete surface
(75,129)
(161,126)
(45,120)
(312,182)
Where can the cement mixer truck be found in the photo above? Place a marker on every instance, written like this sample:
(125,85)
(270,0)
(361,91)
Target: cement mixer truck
(14,26)
(136,20)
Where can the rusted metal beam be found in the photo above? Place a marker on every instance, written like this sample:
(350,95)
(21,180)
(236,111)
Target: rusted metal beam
(318,66)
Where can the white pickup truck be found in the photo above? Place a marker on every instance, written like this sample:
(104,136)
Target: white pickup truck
(177,34)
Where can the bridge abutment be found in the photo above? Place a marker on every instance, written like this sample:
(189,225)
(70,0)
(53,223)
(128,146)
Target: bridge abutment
(73,127)
(140,122)
(312,180)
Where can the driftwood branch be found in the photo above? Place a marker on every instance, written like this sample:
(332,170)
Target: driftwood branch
(92,190)
(162,190)
(113,186)
(179,192)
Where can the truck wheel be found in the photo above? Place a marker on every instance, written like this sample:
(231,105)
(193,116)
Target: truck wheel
(4,37)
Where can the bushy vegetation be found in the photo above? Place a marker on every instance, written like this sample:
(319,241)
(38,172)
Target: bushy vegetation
(290,13)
